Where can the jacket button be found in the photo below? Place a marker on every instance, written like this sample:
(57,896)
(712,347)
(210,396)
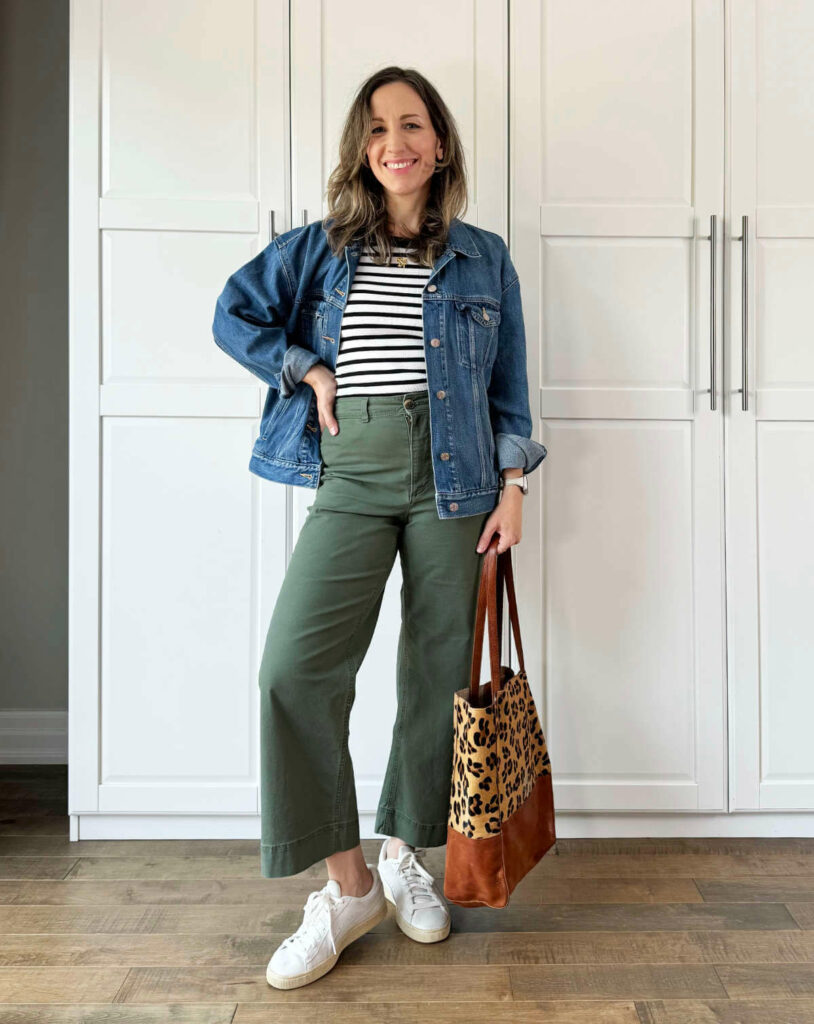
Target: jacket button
(440,394)
(445,456)
(431,288)
(453,506)
(435,342)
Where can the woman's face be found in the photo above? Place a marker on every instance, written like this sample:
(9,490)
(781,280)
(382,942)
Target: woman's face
(401,133)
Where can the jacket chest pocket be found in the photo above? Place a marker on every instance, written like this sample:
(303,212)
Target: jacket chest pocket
(476,333)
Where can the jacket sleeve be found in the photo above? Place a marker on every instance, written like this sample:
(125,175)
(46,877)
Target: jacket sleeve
(250,317)
(508,391)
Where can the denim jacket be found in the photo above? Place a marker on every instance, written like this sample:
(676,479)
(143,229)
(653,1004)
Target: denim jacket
(281,312)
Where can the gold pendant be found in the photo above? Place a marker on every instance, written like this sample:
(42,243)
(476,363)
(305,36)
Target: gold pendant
(402,261)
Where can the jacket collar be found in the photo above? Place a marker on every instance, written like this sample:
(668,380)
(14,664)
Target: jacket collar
(459,238)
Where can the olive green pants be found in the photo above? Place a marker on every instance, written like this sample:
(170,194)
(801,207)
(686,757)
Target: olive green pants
(376,498)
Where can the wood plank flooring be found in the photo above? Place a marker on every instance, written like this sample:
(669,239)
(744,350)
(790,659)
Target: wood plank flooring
(640,931)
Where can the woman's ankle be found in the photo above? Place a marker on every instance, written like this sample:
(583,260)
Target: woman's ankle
(393,846)
(356,884)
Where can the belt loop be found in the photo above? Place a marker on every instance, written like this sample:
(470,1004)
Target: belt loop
(365,413)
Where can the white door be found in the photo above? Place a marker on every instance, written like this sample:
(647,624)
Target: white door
(334,46)
(770,430)
(179,154)
(617,129)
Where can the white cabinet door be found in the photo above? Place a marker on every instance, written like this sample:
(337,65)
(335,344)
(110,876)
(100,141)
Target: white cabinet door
(770,436)
(617,143)
(462,49)
(179,152)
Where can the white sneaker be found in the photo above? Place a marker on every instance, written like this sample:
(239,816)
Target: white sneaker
(421,910)
(331,922)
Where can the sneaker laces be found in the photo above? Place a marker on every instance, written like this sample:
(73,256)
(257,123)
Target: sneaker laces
(318,901)
(418,880)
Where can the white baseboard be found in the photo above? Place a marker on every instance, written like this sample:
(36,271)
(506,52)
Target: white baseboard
(33,737)
(766,824)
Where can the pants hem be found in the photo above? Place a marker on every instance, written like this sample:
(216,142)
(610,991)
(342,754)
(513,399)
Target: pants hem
(281,859)
(392,822)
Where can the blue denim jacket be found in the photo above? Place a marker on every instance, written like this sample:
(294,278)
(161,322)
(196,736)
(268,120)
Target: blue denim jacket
(281,312)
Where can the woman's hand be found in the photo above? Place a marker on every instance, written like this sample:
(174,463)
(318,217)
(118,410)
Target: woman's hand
(506,520)
(323,380)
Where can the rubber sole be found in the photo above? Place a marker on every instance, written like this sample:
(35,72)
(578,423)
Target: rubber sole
(295,981)
(419,934)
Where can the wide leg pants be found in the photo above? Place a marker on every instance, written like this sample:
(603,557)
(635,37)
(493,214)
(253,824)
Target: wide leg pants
(376,498)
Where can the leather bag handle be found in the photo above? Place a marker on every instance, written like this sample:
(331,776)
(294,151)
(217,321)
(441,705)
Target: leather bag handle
(495,571)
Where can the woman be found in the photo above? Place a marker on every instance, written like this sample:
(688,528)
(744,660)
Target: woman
(404,403)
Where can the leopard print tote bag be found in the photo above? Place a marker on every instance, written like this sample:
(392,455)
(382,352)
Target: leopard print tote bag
(501,811)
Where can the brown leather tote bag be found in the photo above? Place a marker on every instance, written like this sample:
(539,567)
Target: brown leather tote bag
(501,812)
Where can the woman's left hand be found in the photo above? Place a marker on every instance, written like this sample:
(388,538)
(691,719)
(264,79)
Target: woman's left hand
(506,520)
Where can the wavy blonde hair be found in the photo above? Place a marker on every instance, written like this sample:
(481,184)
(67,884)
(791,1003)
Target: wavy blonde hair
(356,202)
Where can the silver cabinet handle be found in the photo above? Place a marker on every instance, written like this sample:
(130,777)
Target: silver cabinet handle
(713,337)
(713,348)
(743,237)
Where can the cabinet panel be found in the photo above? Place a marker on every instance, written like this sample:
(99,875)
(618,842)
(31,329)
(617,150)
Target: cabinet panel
(594,340)
(166,336)
(770,442)
(618,101)
(620,619)
(179,153)
(785,457)
(630,153)
(177,592)
(179,99)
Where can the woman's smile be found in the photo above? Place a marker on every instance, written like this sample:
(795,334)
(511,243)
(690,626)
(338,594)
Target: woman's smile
(401,166)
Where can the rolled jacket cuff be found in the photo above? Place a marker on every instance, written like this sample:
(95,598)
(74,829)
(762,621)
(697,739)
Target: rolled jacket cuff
(516,451)
(297,361)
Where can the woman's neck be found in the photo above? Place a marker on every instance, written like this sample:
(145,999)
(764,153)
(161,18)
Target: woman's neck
(402,232)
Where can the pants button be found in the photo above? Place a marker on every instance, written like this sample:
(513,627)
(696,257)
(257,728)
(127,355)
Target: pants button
(408,403)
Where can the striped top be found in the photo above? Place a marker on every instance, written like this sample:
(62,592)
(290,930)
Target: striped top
(381,342)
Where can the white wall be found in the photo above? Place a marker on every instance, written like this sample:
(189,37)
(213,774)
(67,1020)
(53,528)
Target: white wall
(33,371)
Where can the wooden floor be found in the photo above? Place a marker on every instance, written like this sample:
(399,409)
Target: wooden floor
(601,932)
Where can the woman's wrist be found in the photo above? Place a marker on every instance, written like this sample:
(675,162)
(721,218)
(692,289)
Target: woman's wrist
(511,473)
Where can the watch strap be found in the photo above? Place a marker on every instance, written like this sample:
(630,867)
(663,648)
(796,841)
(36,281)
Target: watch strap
(518,481)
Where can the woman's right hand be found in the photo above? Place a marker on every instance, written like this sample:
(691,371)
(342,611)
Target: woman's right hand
(323,380)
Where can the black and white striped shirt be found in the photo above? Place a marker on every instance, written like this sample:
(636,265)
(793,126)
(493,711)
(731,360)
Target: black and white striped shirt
(381,343)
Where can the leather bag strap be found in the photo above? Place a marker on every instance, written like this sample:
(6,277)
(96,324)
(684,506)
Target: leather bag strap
(496,570)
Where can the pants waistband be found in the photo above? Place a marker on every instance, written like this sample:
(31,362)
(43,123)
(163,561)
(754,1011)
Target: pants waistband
(367,407)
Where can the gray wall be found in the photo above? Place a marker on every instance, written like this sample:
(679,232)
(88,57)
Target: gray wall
(34,354)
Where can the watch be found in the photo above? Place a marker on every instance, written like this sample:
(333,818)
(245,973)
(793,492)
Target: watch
(521,481)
